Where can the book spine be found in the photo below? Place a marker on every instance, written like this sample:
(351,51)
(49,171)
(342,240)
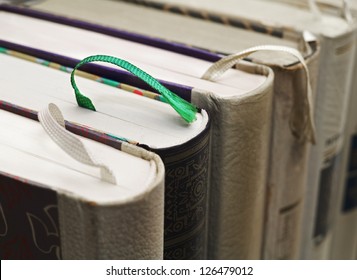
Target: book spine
(186,189)
(239,157)
(345,229)
(288,160)
(334,92)
(29,224)
(131,231)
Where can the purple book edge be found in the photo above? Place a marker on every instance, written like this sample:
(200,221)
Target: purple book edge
(107,72)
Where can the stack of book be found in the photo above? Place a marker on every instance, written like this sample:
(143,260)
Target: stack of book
(187,185)
(258,172)
(290,131)
(337,37)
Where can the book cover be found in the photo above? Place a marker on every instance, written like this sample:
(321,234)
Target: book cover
(335,76)
(232,182)
(344,237)
(53,207)
(345,229)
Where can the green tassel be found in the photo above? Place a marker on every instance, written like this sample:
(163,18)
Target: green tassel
(185,109)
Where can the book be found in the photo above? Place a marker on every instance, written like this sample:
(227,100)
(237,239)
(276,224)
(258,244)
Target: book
(337,52)
(288,74)
(241,99)
(344,231)
(53,206)
(344,240)
(341,239)
(183,148)
(345,8)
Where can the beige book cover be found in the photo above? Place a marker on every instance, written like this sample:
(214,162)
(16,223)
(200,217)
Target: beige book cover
(344,241)
(67,196)
(344,213)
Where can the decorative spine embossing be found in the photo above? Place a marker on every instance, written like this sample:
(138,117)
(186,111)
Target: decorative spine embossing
(186,187)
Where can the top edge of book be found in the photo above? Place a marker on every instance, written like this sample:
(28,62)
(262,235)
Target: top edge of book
(176,28)
(267,11)
(29,153)
(162,64)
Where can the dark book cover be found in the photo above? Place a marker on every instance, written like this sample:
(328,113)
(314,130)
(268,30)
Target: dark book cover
(186,189)
(29,226)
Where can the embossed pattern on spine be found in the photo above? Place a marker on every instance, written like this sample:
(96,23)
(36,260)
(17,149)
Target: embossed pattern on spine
(186,187)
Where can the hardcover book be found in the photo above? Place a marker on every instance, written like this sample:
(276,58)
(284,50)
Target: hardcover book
(289,147)
(339,227)
(337,38)
(338,46)
(183,148)
(344,241)
(53,206)
(239,103)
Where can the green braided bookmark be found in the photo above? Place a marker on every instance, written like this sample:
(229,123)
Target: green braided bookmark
(185,109)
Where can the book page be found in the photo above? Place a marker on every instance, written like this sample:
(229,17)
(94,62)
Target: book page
(28,152)
(162,64)
(271,13)
(120,113)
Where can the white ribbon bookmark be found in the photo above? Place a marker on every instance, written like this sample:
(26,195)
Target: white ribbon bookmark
(221,66)
(314,9)
(346,12)
(53,123)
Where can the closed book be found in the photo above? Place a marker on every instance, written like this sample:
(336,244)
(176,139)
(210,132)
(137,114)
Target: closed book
(337,61)
(340,48)
(343,8)
(240,106)
(344,241)
(337,37)
(184,149)
(289,150)
(53,206)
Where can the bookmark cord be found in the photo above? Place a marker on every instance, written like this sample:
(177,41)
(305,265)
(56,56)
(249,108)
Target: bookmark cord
(185,109)
(301,126)
(346,12)
(66,69)
(53,123)
(314,9)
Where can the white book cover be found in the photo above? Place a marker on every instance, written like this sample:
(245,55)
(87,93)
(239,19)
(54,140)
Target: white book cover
(65,196)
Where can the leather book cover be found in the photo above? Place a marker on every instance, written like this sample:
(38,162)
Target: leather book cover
(48,221)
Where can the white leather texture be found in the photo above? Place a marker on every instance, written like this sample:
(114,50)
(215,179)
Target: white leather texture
(288,162)
(239,154)
(129,230)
